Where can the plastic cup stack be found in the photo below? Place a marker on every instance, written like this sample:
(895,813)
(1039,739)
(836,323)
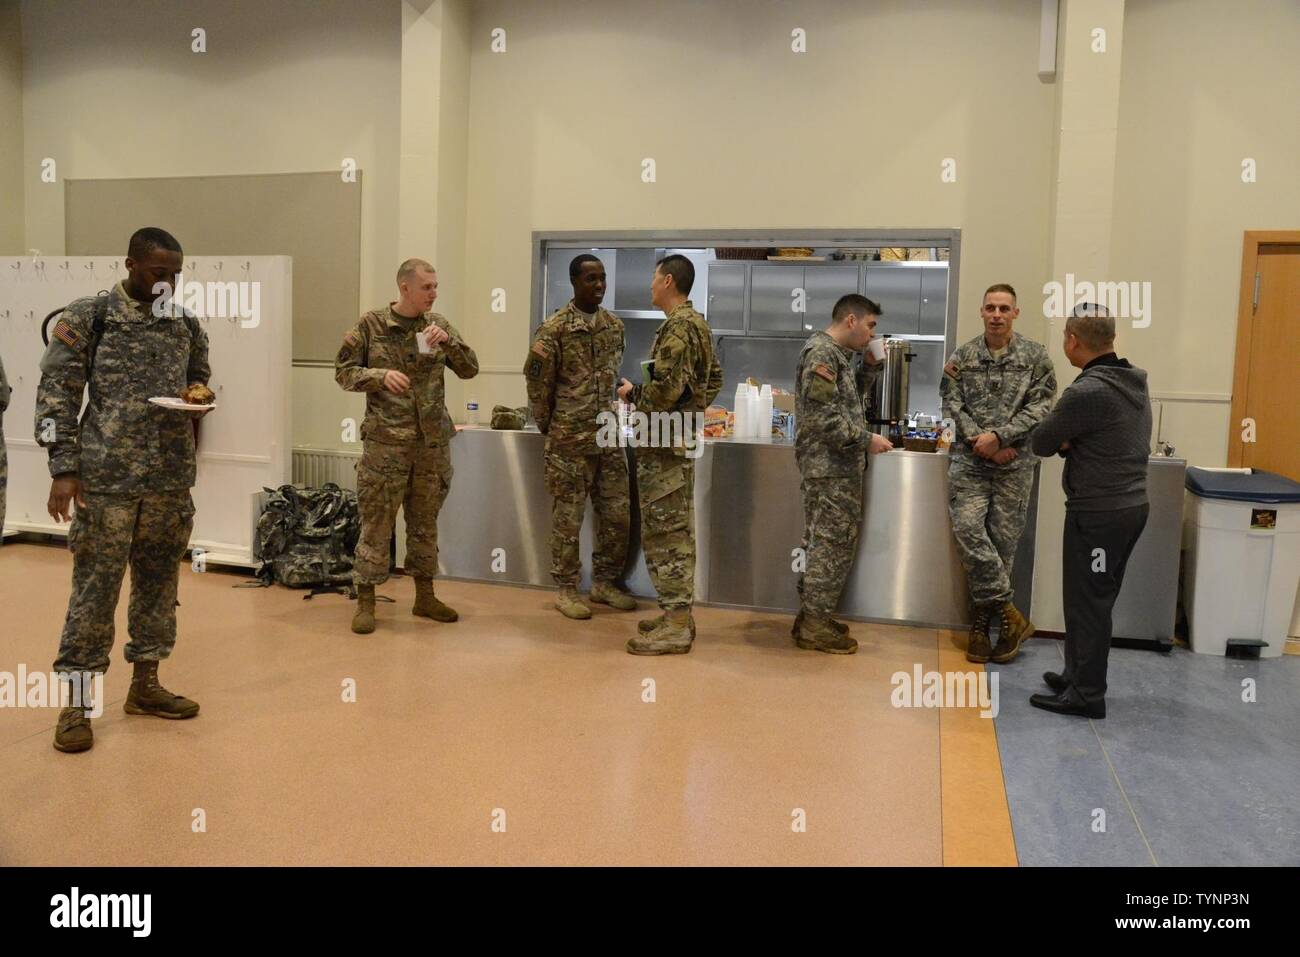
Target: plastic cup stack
(741,429)
(763,423)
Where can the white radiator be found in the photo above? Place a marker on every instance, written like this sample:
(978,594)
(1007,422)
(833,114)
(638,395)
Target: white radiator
(313,468)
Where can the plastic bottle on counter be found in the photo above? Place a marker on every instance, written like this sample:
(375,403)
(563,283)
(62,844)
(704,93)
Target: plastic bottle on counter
(471,412)
(764,423)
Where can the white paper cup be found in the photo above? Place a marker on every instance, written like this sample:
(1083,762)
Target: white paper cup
(877,349)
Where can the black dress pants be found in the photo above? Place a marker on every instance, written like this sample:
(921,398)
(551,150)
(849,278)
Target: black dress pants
(1095,552)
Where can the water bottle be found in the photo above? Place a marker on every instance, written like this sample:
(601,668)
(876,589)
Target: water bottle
(624,422)
(471,412)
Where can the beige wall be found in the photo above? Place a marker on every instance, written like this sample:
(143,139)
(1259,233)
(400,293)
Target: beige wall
(1202,86)
(112,90)
(1205,85)
(452,201)
(12,183)
(746,133)
(299,87)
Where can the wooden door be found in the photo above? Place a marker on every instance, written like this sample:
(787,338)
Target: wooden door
(1266,376)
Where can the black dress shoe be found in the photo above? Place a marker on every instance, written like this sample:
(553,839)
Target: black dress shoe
(1055,681)
(1068,702)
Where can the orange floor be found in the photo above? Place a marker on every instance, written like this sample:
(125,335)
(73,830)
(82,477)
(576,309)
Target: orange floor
(513,709)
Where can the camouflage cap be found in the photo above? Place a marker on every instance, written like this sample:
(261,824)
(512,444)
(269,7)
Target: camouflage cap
(504,417)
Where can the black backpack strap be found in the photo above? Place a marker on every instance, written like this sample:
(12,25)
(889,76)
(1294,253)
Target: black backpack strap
(96,326)
(97,323)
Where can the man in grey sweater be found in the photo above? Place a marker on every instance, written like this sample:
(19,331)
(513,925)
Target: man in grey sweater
(1102,427)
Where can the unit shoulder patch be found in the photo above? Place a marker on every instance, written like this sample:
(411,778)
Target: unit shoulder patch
(821,390)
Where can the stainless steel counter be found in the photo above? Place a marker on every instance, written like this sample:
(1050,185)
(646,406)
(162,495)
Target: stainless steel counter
(1148,602)
(495,526)
(907,568)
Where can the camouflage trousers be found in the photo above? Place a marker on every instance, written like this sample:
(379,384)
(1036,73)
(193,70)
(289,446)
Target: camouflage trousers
(666,493)
(4,482)
(572,477)
(987,509)
(832,515)
(150,531)
(413,477)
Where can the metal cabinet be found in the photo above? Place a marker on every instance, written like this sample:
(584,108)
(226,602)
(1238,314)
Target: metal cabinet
(773,298)
(934,299)
(897,287)
(923,377)
(824,285)
(725,307)
(778,290)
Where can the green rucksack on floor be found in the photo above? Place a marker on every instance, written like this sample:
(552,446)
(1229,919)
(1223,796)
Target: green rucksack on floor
(307,536)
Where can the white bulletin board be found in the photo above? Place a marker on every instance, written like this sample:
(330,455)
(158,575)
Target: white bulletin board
(244,444)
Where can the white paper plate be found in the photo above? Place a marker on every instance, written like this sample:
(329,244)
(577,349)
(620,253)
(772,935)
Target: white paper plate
(174,402)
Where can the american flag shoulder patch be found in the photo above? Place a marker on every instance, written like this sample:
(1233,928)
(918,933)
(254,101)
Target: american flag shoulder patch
(66,334)
(823,370)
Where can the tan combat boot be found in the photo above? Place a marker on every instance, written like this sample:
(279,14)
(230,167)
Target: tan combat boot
(1016,630)
(979,649)
(428,605)
(363,622)
(147,696)
(607,593)
(672,636)
(839,626)
(73,731)
(570,603)
(819,634)
(647,625)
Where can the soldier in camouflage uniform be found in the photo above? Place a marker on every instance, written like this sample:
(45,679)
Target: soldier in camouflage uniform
(128,466)
(684,380)
(4,462)
(831,447)
(571,370)
(995,389)
(406,459)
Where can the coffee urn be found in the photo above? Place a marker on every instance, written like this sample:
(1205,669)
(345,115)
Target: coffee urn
(891,404)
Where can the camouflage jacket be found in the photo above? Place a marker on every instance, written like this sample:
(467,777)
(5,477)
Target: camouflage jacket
(5,392)
(831,436)
(123,442)
(687,375)
(380,342)
(1008,395)
(571,372)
